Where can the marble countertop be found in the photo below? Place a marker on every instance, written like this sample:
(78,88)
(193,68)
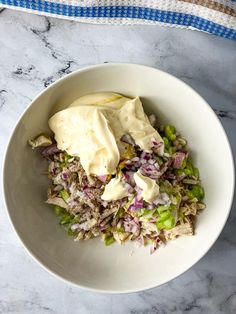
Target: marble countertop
(35,51)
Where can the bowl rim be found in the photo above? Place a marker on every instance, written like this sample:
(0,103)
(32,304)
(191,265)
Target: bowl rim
(65,77)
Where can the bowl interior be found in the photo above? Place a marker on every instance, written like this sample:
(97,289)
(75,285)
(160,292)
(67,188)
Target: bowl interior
(118,268)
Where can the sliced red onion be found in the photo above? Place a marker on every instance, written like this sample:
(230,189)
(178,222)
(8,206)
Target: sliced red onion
(102,178)
(152,249)
(157,144)
(138,203)
(89,192)
(156,244)
(152,161)
(178,159)
(140,240)
(129,177)
(103,228)
(132,226)
(169,176)
(128,188)
(145,155)
(65,175)
(126,177)
(162,199)
(150,206)
(150,171)
(72,203)
(139,193)
(75,227)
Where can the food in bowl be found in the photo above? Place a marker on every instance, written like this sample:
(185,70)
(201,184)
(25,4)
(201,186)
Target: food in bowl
(117,174)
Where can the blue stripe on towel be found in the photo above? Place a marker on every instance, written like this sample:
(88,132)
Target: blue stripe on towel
(131,12)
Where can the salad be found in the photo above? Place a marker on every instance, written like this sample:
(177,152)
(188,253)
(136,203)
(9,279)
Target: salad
(150,196)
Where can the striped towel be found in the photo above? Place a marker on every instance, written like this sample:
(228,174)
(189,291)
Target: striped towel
(212,16)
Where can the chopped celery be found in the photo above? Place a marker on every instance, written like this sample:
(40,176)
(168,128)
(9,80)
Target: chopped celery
(139,212)
(165,214)
(62,165)
(59,210)
(171,150)
(166,143)
(196,173)
(169,223)
(196,192)
(64,194)
(160,225)
(149,213)
(120,213)
(162,208)
(165,187)
(169,131)
(66,219)
(179,172)
(71,232)
(188,172)
(184,163)
(188,169)
(166,219)
(176,201)
(67,158)
(109,240)
(75,219)
(121,229)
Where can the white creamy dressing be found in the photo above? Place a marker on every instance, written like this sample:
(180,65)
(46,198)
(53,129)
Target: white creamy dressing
(114,190)
(149,187)
(91,128)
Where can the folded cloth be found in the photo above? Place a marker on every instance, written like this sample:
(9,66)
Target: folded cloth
(212,16)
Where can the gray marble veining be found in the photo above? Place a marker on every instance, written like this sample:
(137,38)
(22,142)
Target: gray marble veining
(34,52)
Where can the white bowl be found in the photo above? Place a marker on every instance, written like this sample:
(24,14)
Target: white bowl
(118,268)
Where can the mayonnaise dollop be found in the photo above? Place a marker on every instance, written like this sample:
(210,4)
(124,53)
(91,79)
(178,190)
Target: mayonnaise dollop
(149,187)
(114,190)
(91,128)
